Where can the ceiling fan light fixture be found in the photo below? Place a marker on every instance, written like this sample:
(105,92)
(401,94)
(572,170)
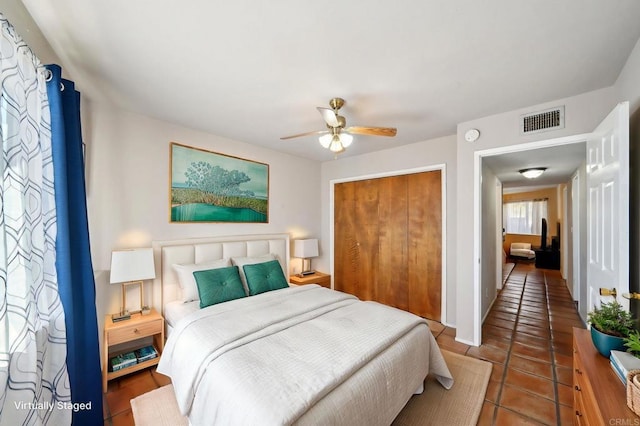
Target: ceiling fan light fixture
(533,172)
(336,145)
(346,139)
(325,140)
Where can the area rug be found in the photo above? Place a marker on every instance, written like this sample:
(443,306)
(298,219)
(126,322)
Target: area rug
(460,405)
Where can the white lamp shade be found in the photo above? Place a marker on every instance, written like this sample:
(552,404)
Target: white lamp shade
(305,248)
(346,139)
(325,140)
(132,265)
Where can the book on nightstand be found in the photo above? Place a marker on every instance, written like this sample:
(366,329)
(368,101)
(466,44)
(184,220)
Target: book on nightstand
(146,353)
(124,360)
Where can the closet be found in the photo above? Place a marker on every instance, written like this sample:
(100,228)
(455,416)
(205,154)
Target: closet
(388,241)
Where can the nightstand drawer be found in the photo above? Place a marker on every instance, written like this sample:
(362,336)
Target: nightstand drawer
(134,331)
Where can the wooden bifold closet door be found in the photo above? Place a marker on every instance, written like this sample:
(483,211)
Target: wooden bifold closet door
(388,241)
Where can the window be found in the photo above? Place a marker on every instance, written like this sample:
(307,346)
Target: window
(524,217)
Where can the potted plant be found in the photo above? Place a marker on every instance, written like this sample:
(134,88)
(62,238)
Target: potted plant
(632,342)
(610,325)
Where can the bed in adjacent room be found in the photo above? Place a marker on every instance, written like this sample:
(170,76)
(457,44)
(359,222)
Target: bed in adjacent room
(275,354)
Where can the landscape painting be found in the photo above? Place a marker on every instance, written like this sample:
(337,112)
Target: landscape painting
(212,187)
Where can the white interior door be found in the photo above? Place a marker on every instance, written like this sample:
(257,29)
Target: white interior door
(608,206)
(575,239)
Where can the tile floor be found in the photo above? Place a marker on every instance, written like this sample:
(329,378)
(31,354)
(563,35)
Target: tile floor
(527,336)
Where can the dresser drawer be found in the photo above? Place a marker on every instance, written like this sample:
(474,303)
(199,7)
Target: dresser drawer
(134,331)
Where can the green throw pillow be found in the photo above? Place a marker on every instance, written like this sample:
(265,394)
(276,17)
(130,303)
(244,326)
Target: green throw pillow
(262,277)
(218,285)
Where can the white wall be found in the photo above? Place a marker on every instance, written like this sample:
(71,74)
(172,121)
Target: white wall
(414,156)
(627,88)
(128,189)
(490,250)
(127,171)
(582,114)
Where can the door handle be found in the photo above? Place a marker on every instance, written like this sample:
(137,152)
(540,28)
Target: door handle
(608,292)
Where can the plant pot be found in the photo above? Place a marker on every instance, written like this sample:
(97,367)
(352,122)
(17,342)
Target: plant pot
(605,343)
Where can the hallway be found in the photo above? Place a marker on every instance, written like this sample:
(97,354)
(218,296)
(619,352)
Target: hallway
(528,338)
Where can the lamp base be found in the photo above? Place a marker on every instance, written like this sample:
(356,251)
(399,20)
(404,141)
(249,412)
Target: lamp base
(120,316)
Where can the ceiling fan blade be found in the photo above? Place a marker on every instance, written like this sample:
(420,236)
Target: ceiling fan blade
(372,131)
(317,132)
(329,116)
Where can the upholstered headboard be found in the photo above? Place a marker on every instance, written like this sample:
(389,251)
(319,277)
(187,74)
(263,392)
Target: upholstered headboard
(198,250)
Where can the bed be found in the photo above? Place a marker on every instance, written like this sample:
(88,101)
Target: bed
(302,355)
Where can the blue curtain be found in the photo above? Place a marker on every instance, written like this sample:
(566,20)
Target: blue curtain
(73,256)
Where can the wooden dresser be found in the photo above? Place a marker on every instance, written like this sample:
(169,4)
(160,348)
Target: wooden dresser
(599,397)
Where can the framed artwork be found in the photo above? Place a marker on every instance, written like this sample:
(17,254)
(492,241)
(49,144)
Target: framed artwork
(208,186)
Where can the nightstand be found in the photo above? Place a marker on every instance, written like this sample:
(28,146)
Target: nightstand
(128,335)
(316,278)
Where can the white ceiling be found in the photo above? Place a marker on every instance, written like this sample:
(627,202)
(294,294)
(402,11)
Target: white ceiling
(561,163)
(254,71)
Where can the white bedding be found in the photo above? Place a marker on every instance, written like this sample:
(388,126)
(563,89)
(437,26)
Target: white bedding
(299,355)
(176,310)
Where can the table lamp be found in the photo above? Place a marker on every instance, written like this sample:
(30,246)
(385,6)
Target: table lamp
(131,267)
(306,249)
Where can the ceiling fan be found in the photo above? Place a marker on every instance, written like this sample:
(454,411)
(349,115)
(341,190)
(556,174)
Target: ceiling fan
(337,137)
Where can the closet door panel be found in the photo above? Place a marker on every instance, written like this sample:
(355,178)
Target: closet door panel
(392,215)
(424,265)
(356,238)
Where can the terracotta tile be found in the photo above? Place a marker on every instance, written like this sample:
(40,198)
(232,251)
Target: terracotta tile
(536,368)
(564,375)
(119,401)
(534,341)
(143,376)
(450,344)
(502,315)
(435,327)
(529,405)
(497,372)
(506,417)
(563,360)
(565,394)
(497,322)
(160,379)
(533,322)
(496,331)
(533,384)
(123,419)
(560,336)
(486,415)
(542,317)
(505,309)
(449,331)
(508,304)
(534,331)
(567,415)
(488,353)
(131,386)
(563,348)
(496,342)
(533,352)
(493,391)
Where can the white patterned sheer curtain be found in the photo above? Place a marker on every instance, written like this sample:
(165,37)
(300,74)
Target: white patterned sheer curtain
(33,375)
(524,217)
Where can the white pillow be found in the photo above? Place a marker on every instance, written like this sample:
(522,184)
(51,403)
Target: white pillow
(241,261)
(188,282)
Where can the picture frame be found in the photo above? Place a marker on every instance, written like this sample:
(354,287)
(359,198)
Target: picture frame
(208,186)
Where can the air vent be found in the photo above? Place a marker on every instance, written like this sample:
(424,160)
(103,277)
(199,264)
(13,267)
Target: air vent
(542,121)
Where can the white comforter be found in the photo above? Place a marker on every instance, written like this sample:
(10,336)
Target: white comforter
(276,358)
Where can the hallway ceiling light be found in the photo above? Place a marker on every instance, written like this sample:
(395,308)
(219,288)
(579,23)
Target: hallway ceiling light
(533,172)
